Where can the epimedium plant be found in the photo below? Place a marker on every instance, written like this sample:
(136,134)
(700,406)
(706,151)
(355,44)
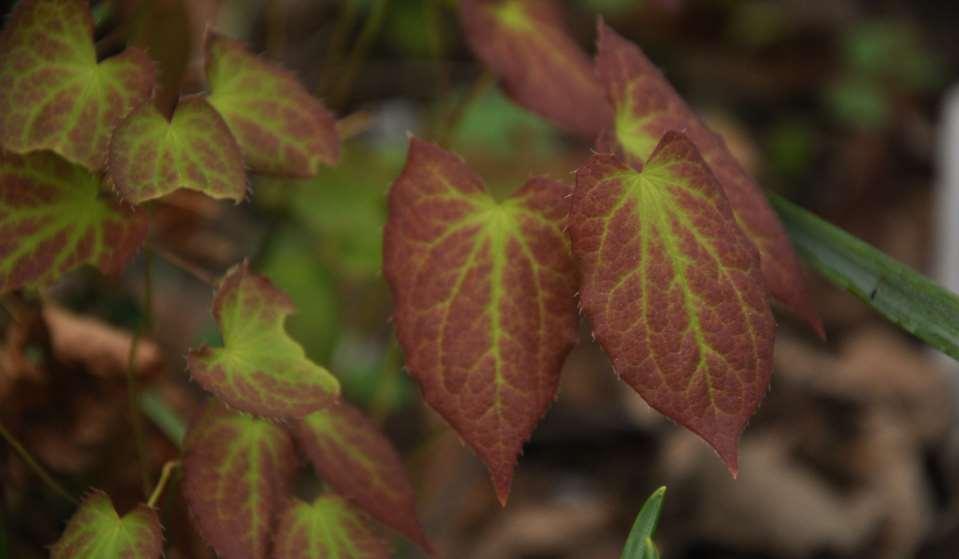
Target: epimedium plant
(664,243)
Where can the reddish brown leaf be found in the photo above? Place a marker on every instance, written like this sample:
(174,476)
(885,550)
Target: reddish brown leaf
(646,107)
(524,43)
(96,531)
(485,299)
(328,528)
(673,289)
(53,93)
(351,455)
(237,472)
(280,127)
(151,156)
(54,217)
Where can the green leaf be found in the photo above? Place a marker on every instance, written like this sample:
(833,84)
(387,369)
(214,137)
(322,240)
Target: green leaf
(53,93)
(349,453)
(96,531)
(54,217)
(673,289)
(328,528)
(639,544)
(905,297)
(647,107)
(237,475)
(280,127)
(525,44)
(485,299)
(151,156)
(259,369)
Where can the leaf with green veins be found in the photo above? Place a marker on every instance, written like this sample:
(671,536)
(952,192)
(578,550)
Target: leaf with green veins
(151,156)
(237,474)
(485,299)
(53,93)
(280,127)
(259,369)
(96,531)
(327,528)
(54,217)
(639,544)
(349,453)
(673,289)
(646,106)
(525,44)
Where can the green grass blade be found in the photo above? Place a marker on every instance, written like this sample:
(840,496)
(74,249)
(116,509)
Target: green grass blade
(905,297)
(639,545)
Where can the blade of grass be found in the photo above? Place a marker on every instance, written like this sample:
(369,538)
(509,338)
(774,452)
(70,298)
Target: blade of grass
(163,416)
(905,297)
(639,544)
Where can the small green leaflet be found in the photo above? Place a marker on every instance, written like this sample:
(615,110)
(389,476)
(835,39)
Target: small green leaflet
(350,454)
(97,532)
(673,289)
(53,93)
(485,299)
(151,156)
(640,545)
(525,44)
(280,127)
(259,369)
(326,529)
(54,217)
(237,472)
(647,107)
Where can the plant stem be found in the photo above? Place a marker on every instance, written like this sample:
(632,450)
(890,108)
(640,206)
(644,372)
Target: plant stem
(334,51)
(136,422)
(179,262)
(24,455)
(163,416)
(456,115)
(360,49)
(161,483)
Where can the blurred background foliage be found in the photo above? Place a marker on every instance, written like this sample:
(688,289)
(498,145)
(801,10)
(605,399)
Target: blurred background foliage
(833,103)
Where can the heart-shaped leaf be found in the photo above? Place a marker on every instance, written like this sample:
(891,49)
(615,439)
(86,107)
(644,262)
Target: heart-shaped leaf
(327,528)
(485,299)
(673,289)
(54,217)
(646,107)
(524,43)
(237,472)
(350,454)
(96,531)
(280,127)
(151,156)
(260,368)
(53,93)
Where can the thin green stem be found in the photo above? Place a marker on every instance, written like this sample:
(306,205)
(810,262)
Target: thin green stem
(161,484)
(372,26)
(28,459)
(334,51)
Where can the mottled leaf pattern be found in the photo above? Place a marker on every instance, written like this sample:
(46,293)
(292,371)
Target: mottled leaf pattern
(485,299)
(673,289)
(151,156)
(524,43)
(326,529)
(96,531)
(260,368)
(280,127)
(350,454)
(646,107)
(53,93)
(54,217)
(237,472)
